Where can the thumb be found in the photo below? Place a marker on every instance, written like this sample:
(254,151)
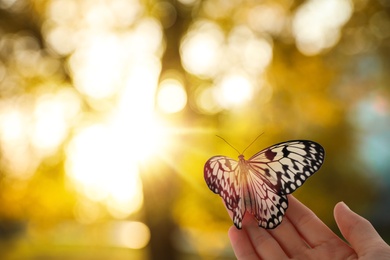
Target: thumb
(358,231)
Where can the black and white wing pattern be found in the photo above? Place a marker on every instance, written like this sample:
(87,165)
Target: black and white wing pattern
(260,185)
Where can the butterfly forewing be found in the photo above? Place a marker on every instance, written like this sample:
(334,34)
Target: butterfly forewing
(287,165)
(260,185)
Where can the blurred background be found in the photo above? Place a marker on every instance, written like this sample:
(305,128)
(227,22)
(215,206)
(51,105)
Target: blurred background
(109,110)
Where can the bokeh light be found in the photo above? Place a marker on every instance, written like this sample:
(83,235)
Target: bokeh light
(234,89)
(201,48)
(130,234)
(206,100)
(268,18)
(53,113)
(101,176)
(317,24)
(171,96)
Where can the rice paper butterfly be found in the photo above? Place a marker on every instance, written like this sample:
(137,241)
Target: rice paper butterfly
(260,184)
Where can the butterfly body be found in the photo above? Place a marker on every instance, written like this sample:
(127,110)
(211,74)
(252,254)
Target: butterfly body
(260,184)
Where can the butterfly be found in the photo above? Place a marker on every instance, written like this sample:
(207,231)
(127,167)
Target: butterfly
(260,184)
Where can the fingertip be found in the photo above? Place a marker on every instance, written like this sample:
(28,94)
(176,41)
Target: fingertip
(342,205)
(344,216)
(357,230)
(340,209)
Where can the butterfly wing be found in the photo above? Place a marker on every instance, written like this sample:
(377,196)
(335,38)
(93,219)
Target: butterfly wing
(286,166)
(277,171)
(222,174)
(261,199)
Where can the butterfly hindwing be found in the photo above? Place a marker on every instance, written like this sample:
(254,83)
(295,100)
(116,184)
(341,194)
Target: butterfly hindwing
(266,205)
(221,175)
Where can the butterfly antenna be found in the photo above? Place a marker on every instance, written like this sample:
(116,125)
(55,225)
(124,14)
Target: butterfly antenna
(252,142)
(228,144)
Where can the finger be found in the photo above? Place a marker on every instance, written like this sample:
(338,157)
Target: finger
(242,246)
(264,244)
(252,241)
(358,231)
(289,238)
(309,226)
(240,241)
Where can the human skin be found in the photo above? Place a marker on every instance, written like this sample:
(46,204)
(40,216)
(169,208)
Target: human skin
(302,235)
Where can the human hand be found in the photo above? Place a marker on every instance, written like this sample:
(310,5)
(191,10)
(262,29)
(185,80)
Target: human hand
(302,235)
